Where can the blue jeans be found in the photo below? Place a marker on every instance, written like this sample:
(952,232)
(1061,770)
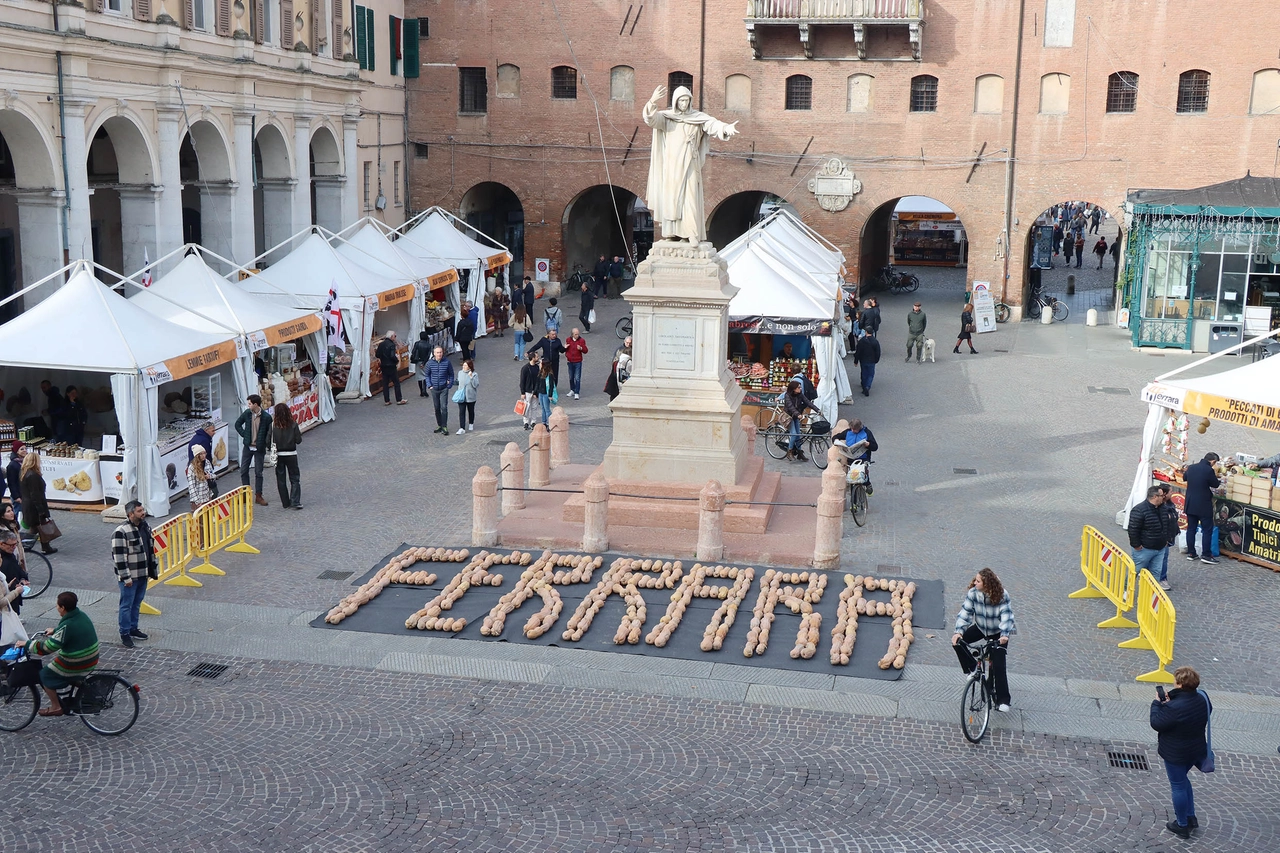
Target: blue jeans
(575,377)
(1164,565)
(130,604)
(868,375)
(794,444)
(1149,559)
(256,457)
(519,344)
(545,400)
(1184,801)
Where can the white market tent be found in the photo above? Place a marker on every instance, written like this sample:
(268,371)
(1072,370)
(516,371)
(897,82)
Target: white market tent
(86,326)
(1246,396)
(303,278)
(194,295)
(435,234)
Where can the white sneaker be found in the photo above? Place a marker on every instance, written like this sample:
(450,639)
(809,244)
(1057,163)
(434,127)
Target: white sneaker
(575,396)
(1004,709)
(460,431)
(471,427)
(1165,585)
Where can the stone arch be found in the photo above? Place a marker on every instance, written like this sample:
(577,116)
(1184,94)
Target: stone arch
(122,170)
(495,209)
(274,171)
(30,218)
(204,162)
(135,155)
(325,178)
(1110,228)
(32,150)
(326,152)
(877,237)
(273,158)
(212,149)
(589,225)
(734,214)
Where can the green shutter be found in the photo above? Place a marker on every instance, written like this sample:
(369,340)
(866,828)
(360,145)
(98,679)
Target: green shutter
(395,64)
(362,53)
(369,35)
(411,36)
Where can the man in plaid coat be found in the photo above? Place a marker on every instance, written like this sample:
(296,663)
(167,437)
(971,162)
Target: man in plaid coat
(134,556)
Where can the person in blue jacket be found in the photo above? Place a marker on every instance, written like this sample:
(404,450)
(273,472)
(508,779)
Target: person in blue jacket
(1201,481)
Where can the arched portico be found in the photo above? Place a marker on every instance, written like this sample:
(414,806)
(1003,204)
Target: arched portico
(272,189)
(325,171)
(204,161)
(495,210)
(30,216)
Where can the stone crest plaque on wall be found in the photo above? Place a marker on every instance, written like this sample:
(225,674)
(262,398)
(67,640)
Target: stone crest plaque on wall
(834,185)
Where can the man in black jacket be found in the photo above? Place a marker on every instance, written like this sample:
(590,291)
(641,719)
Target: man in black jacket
(420,355)
(1201,481)
(1147,532)
(550,347)
(867,355)
(389,359)
(600,276)
(254,428)
(465,332)
(585,306)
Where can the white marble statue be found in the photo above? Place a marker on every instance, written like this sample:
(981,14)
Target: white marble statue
(681,139)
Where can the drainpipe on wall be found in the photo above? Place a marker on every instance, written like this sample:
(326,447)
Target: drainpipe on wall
(62,136)
(1010,170)
(702,54)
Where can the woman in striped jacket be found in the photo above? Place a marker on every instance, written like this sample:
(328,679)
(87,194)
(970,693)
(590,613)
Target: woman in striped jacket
(987,613)
(74,646)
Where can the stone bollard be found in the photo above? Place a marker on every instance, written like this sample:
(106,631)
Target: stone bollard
(826,544)
(539,457)
(711,522)
(1071,284)
(1046,315)
(1091,317)
(559,424)
(595,517)
(484,508)
(512,478)
(749,427)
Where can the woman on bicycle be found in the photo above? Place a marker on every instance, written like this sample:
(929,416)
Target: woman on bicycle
(966,329)
(987,613)
(794,403)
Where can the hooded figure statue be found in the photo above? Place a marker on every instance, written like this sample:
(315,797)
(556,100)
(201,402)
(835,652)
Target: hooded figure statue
(680,144)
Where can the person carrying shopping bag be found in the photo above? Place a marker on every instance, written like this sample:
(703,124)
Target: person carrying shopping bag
(522,331)
(465,396)
(529,387)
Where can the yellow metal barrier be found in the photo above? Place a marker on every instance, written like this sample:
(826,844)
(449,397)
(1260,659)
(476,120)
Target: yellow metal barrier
(222,523)
(172,543)
(1108,573)
(1157,621)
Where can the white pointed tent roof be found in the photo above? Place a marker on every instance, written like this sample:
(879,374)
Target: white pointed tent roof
(435,236)
(302,278)
(371,248)
(1257,384)
(801,248)
(193,295)
(84,325)
(769,287)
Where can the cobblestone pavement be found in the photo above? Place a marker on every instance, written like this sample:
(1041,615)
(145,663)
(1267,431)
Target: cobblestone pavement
(276,756)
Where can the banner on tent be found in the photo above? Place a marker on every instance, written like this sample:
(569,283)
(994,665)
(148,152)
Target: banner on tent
(774,326)
(442,279)
(172,369)
(1164,395)
(1224,409)
(394,296)
(499,260)
(307,325)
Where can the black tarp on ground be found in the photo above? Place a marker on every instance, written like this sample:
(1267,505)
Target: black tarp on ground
(387,613)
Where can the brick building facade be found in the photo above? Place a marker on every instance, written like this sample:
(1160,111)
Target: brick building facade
(915,97)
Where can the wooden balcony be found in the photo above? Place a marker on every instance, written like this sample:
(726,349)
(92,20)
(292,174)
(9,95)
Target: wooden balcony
(858,14)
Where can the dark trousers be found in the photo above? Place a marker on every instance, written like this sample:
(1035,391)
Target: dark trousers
(292,494)
(466,414)
(440,400)
(999,675)
(586,324)
(257,457)
(1206,535)
(468,351)
(389,378)
(868,375)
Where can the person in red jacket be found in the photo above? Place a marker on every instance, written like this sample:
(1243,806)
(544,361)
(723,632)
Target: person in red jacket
(574,349)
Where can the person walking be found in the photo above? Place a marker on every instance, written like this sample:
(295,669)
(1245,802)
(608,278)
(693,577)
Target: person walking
(439,377)
(615,277)
(1095,219)
(521,330)
(1180,719)
(552,316)
(1057,241)
(35,507)
(1201,480)
(134,557)
(966,329)
(464,331)
(529,387)
(1169,513)
(551,348)
(254,428)
(13,474)
(575,348)
(528,295)
(869,320)
(586,306)
(419,356)
(1079,248)
(499,309)
(917,322)
(867,356)
(1147,535)
(987,613)
(619,370)
(287,436)
(1115,253)
(548,395)
(1068,246)
(389,360)
(465,396)
(1100,249)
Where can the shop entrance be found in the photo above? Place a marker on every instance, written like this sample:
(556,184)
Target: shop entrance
(591,227)
(494,209)
(1086,280)
(272,195)
(914,231)
(734,216)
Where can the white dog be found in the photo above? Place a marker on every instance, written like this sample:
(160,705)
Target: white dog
(928,349)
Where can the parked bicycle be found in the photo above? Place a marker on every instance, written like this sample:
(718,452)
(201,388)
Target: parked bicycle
(39,569)
(774,428)
(103,700)
(623,327)
(858,479)
(579,278)
(979,695)
(1003,312)
(1040,301)
(896,282)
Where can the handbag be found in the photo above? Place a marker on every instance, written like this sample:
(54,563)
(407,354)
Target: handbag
(1206,764)
(11,630)
(460,396)
(528,336)
(520,407)
(24,674)
(48,530)
(591,316)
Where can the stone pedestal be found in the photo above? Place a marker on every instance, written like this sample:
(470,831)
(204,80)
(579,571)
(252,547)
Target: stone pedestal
(677,417)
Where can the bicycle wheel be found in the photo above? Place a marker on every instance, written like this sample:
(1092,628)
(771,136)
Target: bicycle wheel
(1034,307)
(623,327)
(39,572)
(818,447)
(1060,310)
(765,419)
(858,504)
(1002,313)
(776,441)
(913,284)
(115,701)
(18,707)
(975,708)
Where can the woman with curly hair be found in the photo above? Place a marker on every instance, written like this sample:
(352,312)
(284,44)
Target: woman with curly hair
(987,613)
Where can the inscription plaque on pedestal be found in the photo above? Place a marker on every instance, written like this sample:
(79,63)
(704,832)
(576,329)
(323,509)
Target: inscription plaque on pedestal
(675,344)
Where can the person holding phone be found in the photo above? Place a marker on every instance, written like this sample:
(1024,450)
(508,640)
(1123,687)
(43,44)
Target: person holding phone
(1180,718)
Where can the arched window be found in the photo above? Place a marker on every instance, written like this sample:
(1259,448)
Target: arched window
(675,80)
(564,83)
(622,83)
(988,94)
(1055,94)
(799,92)
(508,81)
(737,93)
(1265,98)
(1122,92)
(1193,92)
(859,93)
(924,94)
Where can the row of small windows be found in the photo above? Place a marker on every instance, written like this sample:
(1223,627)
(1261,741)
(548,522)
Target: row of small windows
(1055,90)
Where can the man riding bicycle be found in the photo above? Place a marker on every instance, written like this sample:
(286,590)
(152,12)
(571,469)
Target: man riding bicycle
(74,645)
(850,437)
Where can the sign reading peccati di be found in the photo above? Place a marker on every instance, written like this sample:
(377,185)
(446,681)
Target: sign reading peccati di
(1225,409)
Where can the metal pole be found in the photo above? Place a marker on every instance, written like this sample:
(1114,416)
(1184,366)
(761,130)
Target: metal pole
(1010,168)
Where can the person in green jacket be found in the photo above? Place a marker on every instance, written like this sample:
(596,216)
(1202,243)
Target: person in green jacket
(916,323)
(74,646)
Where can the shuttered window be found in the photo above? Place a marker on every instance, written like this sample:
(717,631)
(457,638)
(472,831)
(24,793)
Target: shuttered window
(222,17)
(259,21)
(286,24)
(364,35)
(339,49)
(142,10)
(316,26)
(412,34)
(394,51)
